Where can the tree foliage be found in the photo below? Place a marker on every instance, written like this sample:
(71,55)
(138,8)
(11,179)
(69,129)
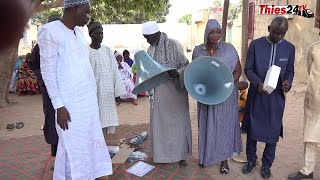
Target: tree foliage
(234,9)
(119,11)
(186,19)
(43,16)
(129,11)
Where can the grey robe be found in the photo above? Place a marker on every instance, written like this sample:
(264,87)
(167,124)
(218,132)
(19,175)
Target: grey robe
(169,110)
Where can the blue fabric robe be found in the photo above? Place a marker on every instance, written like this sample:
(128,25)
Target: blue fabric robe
(263,114)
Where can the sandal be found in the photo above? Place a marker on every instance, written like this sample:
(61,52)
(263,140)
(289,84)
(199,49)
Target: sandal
(10,127)
(224,170)
(19,125)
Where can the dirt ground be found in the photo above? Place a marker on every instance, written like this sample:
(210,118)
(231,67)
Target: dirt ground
(289,157)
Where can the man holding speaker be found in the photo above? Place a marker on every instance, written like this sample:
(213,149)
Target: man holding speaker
(66,71)
(170,119)
(219,127)
(264,111)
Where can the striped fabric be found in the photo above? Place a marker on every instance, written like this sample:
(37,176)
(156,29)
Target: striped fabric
(170,124)
(170,119)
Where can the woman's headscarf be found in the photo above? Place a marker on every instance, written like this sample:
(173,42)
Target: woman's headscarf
(211,24)
(118,54)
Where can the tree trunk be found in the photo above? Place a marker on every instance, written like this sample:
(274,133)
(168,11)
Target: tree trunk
(8,59)
(8,56)
(225,19)
(244,44)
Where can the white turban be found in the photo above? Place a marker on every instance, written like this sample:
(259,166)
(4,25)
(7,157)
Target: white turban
(74,3)
(117,54)
(150,27)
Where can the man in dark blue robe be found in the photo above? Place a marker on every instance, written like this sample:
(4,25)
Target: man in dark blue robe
(264,112)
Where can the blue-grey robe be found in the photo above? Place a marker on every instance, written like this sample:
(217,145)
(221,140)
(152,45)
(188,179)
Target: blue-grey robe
(263,115)
(219,125)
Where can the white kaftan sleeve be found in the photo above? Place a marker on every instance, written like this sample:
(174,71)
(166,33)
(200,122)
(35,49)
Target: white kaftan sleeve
(92,60)
(48,65)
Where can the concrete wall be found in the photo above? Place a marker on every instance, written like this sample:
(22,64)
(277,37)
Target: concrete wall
(130,36)
(236,34)
(30,35)
(124,36)
(301,32)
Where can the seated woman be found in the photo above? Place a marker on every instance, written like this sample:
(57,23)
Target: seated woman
(14,78)
(242,97)
(126,74)
(134,71)
(27,81)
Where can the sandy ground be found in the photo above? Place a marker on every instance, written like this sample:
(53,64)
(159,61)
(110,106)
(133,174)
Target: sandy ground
(289,157)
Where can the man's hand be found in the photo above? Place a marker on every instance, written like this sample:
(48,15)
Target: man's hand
(260,88)
(63,117)
(119,66)
(285,86)
(118,101)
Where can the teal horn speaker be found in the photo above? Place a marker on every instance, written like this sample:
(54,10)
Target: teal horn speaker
(208,80)
(150,74)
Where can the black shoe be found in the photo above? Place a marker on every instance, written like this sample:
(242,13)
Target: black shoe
(183,163)
(201,165)
(299,175)
(247,168)
(265,172)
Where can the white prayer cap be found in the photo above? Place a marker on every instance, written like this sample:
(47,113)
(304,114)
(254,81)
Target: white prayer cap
(117,54)
(150,27)
(74,3)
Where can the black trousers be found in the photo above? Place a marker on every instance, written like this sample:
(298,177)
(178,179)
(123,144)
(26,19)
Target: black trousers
(268,153)
(49,128)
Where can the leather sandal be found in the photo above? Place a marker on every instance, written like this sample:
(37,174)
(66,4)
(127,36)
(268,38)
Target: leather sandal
(19,125)
(10,127)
